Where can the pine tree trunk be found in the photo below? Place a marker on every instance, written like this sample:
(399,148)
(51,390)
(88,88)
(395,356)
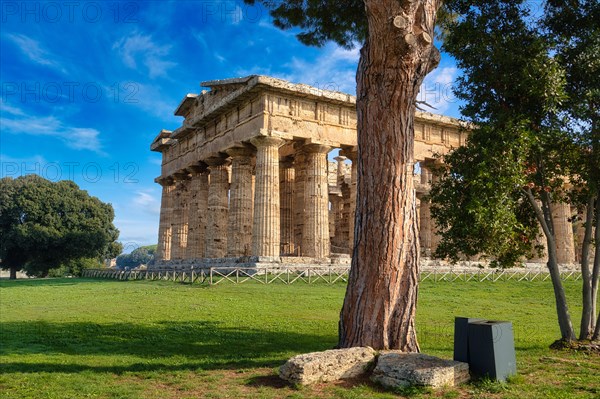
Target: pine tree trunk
(13,273)
(381,298)
(587,315)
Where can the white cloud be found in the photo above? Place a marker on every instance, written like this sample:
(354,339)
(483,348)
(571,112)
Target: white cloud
(33,50)
(11,110)
(138,215)
(147,202)
(335,69)
(199,36)
(139,48)
(137,232)
(220,58)
(238,15)
(436,90)
(154,101)
(79,138)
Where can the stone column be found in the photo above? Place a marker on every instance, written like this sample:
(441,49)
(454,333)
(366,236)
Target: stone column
(176,213)
(179,219)
(435,237)
(216,221)
(265,232)
(563,232)
(352,155)
(286,198)
(425,227)
(340,168)
(337,225)
(425,223)
(299,215)
(347,215)
(197,212)
(354,158)
(335,219)
(239,231)
(315,235)
(163,250)
(184,231)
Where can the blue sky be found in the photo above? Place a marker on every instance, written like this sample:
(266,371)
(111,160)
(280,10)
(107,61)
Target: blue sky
(86,86)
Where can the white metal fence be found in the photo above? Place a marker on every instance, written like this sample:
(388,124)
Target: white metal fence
(309,275)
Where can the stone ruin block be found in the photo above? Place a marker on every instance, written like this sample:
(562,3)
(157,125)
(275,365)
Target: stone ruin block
(397,369)
(330,365)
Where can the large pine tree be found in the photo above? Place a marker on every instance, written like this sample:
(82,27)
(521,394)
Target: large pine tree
(397,53)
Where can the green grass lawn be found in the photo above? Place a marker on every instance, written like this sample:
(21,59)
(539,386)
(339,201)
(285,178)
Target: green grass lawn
(80,338)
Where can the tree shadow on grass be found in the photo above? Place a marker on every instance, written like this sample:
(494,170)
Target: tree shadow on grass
(198,345)
(49,282)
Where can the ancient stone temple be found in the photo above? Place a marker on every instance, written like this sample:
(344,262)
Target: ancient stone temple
(250,175)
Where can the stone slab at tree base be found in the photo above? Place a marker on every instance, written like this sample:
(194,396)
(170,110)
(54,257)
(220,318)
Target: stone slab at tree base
(396,369)
(330,365)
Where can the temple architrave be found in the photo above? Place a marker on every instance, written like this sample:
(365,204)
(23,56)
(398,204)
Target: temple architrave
(248,177)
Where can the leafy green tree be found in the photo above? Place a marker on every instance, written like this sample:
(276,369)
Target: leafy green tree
(495,193)
(113,250)
(74,267)
(137,257)
(397,53)
(45,224)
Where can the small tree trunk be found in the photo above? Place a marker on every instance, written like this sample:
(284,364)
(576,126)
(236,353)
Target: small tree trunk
(562,309)
(587,313)
(381,298)
(596,270)
(13,273)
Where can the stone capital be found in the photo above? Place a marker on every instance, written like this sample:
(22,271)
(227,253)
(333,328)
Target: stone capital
(351,153)
(197,168)
(340,158)
(215,161)
(240,152)
(315,148)
(164,181)
(335,197)
(286,162)
(267,141)
(182,174)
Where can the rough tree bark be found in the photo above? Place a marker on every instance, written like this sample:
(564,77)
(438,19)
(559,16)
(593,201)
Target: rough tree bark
(587,315)
(380,303)
(544,217)
(13,273)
